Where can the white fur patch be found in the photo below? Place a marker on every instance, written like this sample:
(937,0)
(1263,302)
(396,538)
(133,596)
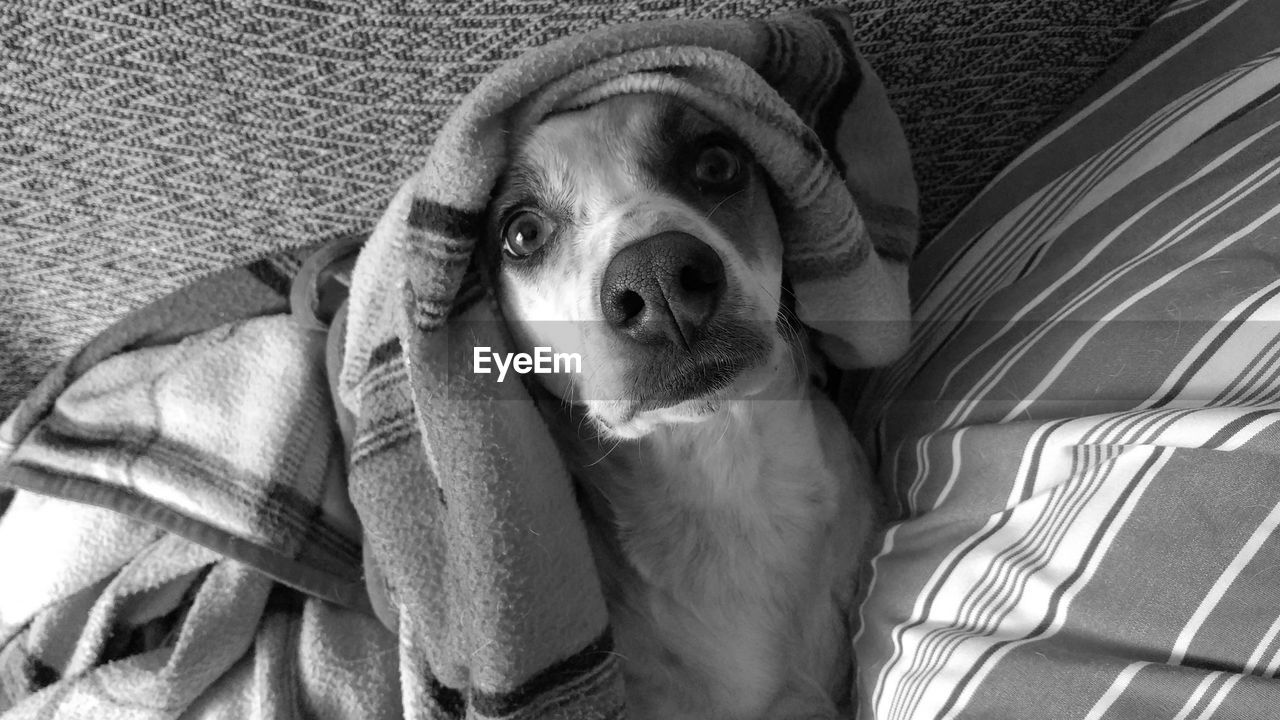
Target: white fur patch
(728,527)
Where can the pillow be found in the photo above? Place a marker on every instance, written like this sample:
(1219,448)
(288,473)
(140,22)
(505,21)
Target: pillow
(1081,452)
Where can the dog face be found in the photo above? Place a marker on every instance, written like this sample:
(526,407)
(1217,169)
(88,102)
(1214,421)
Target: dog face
(639,234)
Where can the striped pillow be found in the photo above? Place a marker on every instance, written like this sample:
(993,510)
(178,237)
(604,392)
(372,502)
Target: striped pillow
(1082,449)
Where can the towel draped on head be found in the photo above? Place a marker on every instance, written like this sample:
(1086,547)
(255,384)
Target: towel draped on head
(474,545)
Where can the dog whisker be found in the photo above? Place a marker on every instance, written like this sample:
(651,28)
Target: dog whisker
(794,335)
(789,328)
(726,199)
(775,298)
(785,289)
(724,432)
(606,454)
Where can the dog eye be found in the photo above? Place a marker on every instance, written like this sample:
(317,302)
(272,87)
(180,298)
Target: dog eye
(716,165)
(525,233)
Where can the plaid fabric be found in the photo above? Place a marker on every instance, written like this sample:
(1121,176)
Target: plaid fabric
(1081,446)
(203,425)
(145,145)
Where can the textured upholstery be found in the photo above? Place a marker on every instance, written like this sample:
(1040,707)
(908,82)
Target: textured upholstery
(144,143)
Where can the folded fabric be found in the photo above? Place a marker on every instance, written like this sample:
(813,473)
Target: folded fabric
(203,425)
(226,436)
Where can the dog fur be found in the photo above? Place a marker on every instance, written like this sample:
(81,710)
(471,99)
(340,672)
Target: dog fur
(728,505)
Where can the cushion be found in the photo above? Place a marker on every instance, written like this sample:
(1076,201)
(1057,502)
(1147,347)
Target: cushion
(147,144)
(1080,449)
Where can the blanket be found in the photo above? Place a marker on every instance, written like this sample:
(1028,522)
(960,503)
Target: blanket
(181,538)
(254,522)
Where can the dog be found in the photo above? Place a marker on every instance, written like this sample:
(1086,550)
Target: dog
(728,506)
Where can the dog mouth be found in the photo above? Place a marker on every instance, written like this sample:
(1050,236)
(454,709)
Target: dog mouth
(708,368)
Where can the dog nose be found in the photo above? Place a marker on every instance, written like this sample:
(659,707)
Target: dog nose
(663,288)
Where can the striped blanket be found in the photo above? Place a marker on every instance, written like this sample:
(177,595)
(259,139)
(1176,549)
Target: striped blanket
(1081,447)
